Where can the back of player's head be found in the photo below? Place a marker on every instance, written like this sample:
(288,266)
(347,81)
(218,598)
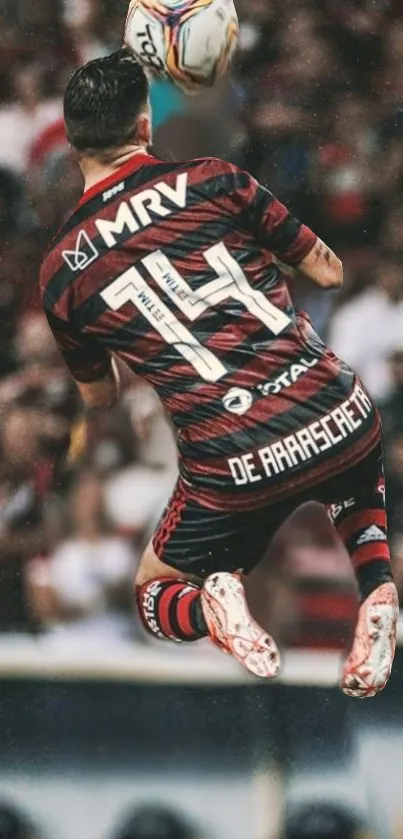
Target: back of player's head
(102,102)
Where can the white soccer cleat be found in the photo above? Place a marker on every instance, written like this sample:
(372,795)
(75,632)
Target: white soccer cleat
(232,628)
(369,665)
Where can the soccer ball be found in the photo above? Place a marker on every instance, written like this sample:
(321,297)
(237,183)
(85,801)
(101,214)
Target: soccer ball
(190,42)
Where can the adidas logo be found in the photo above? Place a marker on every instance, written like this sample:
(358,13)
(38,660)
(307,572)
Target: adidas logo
(372,534)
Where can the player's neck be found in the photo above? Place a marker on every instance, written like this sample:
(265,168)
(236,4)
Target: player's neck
(96,170)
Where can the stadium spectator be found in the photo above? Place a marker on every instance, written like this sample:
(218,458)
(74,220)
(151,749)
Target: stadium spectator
(392,421)
(80,18)
(397,557)
(365,330)
(21,490)
(26,117)
(392,407)
(84,586)
(394,494)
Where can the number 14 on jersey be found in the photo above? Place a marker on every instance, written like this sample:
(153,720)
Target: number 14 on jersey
(230,282)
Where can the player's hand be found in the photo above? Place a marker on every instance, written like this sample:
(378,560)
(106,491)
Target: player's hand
(78,442)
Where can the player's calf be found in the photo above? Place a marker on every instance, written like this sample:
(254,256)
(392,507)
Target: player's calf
(171,609)
(168,602)
(174,607)
(361,523)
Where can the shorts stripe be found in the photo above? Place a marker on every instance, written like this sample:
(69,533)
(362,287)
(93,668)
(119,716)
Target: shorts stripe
(170,519)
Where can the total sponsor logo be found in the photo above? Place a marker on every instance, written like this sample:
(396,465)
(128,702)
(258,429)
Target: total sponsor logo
(238,400)
(289,377)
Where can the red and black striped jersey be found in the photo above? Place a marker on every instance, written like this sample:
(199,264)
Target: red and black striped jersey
(174,268)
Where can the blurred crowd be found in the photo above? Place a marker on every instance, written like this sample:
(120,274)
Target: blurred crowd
(312,820)
(148,821)
(314,109)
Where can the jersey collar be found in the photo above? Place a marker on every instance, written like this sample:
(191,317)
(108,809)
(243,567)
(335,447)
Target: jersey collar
(135,162)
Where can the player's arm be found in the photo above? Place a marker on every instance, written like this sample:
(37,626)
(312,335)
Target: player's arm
(95,375)
(90,364)
(322,266)
(277,230)
(294,243)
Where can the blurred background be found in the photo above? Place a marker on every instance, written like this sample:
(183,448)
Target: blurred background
(104,733)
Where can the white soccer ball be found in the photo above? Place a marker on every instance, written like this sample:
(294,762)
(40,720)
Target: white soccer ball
(191,42)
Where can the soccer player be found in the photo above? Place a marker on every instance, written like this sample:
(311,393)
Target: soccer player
(175,268)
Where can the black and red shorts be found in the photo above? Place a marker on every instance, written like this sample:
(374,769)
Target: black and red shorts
(197,540)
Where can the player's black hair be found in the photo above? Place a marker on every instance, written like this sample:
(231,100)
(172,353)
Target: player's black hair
(103,100)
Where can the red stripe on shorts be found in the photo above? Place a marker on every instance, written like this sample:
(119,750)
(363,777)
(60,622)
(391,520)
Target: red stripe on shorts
(170,519)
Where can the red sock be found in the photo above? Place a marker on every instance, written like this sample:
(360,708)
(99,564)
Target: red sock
(171,609)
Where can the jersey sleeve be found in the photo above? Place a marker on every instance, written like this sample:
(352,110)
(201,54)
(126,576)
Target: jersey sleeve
(268,219)
(85,357)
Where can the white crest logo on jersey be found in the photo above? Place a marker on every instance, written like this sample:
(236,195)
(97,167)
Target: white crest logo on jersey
(237,401)
(83,255)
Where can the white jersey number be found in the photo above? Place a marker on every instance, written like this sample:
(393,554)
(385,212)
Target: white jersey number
(230,282)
